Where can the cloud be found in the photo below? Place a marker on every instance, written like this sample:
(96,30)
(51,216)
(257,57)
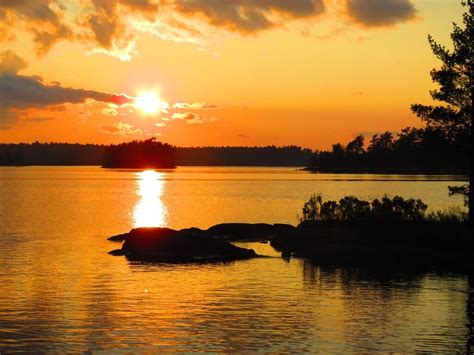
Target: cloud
(194,106)
(169,28)
(109,111)
(122,128)
(105,19)
(10,63)
(19,92)
(93,22)
(43,18)
(189,117)
(374,13)
(113,27)
(249,16)
(39,119)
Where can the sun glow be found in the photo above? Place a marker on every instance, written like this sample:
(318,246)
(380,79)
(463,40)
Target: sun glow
(150,103)
(150,210)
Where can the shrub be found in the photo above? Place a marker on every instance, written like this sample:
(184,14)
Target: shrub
(453,215)
(350,208)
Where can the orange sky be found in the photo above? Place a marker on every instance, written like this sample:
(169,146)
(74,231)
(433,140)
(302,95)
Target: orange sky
(236,72)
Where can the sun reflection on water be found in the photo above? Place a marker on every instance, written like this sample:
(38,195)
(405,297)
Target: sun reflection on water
(150,210)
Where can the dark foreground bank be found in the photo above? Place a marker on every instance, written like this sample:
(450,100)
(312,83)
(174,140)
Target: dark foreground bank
(424,245)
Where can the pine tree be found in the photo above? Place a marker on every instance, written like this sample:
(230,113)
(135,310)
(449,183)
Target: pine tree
(455,79)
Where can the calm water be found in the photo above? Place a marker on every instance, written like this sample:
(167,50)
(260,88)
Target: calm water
(59,290)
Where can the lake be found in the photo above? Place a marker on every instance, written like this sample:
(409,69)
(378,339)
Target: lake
(61,291)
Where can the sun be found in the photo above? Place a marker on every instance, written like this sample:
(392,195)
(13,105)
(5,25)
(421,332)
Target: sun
(149,103)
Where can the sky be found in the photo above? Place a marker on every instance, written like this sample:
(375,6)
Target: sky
(216,72)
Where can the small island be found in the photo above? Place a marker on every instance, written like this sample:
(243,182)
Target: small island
(148,154)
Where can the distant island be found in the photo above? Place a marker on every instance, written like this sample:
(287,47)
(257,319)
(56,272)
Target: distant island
(411,151)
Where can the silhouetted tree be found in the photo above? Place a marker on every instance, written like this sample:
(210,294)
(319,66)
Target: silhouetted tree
(244,156)
(455,80)
(381,143)
(356,146)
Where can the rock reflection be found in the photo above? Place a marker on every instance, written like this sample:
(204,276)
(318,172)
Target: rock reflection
(150,210)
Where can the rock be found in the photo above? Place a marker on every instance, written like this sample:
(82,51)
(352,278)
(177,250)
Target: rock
(280,228)
(232,230)
(263,229)
(311,224)
(117,252)
(168,245)
(119,238)
(242,231)
(196,232)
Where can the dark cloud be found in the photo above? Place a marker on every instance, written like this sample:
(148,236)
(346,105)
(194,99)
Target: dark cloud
(249,16)
(20,92)
(106,20)
(374,13)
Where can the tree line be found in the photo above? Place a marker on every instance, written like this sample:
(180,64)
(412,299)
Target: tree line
(150,153)
(413,150)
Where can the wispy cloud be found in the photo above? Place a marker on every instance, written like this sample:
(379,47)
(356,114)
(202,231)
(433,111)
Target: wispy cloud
(195,106)
(124,129)
(190,117)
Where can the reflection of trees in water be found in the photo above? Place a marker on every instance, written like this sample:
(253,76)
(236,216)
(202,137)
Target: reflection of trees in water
(470,314)
(312,275)
(383,310)
(376,307)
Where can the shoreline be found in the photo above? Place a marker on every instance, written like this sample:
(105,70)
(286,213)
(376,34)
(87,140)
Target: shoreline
(402,245)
